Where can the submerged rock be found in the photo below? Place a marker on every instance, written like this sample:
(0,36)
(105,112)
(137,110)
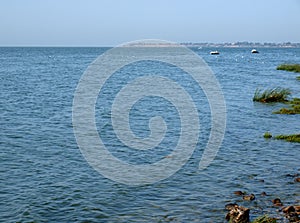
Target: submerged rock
(292,213)
(239,214)
(293,217)
(250,197)
(294,208)
(288,209)
(277,202)
(239,193)
(263,193)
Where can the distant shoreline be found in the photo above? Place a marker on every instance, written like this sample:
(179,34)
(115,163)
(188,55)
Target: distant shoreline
(187,44)
(244,44)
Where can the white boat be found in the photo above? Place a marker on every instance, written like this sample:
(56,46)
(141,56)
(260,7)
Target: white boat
(214,53)
(254,51)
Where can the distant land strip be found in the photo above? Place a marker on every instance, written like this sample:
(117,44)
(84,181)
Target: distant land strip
(244,44)
(227,44)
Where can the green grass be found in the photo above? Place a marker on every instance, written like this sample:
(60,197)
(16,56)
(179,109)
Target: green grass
(272,95)
(267,135)
(289,111)
(295,101)
(292,110)
(264,219)
(289,138)
(289,67)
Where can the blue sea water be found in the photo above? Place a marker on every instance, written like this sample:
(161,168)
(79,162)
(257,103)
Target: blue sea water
(45,178)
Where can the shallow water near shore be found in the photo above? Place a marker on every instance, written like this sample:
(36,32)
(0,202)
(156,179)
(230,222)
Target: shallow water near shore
(45,178)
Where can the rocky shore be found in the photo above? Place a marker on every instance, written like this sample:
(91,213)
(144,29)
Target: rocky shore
(274,209)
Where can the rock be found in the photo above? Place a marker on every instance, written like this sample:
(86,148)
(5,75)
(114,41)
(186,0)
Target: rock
(250,197)
(239,193)
(263,193)
(277,202)
(230,206)
(293,217)
(292,175)
(167,218)
(292,213)
(288,209)
(238,214)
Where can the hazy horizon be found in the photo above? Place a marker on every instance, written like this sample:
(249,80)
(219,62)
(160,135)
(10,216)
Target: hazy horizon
(184,43)
(110,23)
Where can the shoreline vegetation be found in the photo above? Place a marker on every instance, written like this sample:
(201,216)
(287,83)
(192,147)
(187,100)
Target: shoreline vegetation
(292,110)
(288,138)
(289,67)
(272,95)
(280,95)
(239,214)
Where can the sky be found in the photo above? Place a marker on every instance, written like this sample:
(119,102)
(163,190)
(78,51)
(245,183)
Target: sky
(113,22)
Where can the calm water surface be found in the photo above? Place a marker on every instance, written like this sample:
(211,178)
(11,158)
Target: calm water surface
(45,178)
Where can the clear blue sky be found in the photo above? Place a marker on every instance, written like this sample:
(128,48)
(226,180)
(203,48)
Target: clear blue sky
(111,22)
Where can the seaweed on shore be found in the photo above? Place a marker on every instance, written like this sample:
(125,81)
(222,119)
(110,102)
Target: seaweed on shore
(289,67)
(292,110)
(289,111)
(264,219)
(295,101)
(267,135)
(272,95)
(288,138)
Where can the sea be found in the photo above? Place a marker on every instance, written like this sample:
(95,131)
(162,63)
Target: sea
(45,176)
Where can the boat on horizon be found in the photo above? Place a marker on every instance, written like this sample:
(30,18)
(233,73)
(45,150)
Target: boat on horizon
(214,52)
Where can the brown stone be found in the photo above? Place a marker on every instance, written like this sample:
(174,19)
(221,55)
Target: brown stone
(293,217)
(288,209)
(230,206)
(263,193)
(238,214)
(297,209)
(239,193)
(250,197)
(277,202)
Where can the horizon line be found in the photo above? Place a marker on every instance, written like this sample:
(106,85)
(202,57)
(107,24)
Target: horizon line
(236,44)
